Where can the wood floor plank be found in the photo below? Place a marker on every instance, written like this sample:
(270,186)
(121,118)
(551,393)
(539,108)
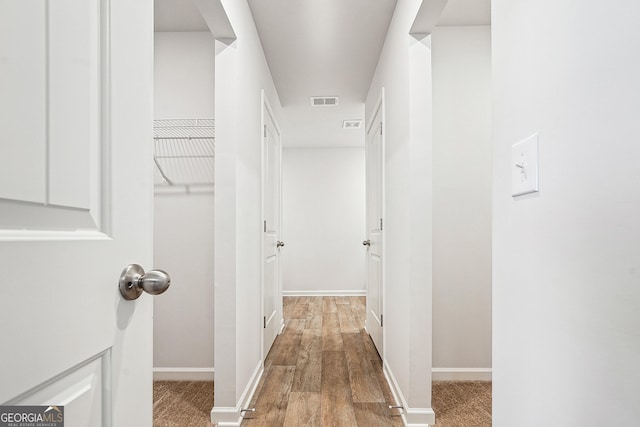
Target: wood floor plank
(315,305)
(337,405)
(288,305)
(329,305)
(359,308)
(348,323)
(314,321)
(304,409)
(369,345)
(343,300)
(331,336)
(299,311)
(295,325)
(287,345)
(308,374)
(364,384)
(271,405)
(375,415)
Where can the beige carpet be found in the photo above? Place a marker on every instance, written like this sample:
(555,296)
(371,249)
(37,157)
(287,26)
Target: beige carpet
(182,403)
(188,403)
(462,404)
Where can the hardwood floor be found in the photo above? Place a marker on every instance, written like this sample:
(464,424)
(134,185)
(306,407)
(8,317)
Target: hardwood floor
(323,370)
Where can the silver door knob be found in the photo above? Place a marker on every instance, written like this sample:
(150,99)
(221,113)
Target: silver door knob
(279,244)
(134,280)
(366,243)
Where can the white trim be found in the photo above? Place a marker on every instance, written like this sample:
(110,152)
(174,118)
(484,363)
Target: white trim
(411,417)
(50,236)
(159,190)
(461,374)
(183,374)
(228,416)
(318,293)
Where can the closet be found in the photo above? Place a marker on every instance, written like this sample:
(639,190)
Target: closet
(184,164)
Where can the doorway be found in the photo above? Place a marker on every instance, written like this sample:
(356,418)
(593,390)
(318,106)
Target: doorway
(184,150)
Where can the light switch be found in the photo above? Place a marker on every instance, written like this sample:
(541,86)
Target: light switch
(524,166)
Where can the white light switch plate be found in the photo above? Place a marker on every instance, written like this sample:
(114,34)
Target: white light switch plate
(524,166)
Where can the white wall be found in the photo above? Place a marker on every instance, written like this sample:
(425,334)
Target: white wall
(183,75)
(461,201)
(404,71)
(323,220)
(566,288)
(241,74)
(183,223)
(183,320)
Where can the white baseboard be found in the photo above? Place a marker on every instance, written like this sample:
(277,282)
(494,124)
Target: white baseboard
(183,374)
(411,417)
(461,374)
(346,293)
(228,416)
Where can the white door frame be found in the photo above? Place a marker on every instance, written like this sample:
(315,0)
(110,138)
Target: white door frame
(379,108)
(267,114)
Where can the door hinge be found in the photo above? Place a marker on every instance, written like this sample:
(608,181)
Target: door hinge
(380,224)
(380,128)
(264,322)
(265,225)
(265,131)
(381,320)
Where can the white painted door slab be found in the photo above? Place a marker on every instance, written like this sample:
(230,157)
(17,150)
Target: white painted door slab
(272,195)
(75,207)
(375,207)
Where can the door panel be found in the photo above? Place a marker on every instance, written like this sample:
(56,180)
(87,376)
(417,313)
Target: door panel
(80,391)
(22,101)
(75,206)
(271,294)
(375,289)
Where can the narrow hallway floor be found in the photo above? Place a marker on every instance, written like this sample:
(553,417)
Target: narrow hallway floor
(323,370)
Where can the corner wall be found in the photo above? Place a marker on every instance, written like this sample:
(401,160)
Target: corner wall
(404,71)
(462,202)
(323,221)
(241,74)
(566,288)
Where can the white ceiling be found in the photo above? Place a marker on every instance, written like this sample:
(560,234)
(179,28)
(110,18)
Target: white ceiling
(320,48)
(177,15)
(466,12)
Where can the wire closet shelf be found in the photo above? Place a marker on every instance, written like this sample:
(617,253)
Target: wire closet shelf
(184,152)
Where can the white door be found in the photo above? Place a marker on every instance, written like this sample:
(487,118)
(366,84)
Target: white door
(75,207)
(375,207)
(272,183)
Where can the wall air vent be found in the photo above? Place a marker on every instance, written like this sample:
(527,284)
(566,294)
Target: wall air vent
(352,124)
(324,101)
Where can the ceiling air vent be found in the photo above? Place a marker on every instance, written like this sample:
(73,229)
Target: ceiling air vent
(324,101)
(351,124)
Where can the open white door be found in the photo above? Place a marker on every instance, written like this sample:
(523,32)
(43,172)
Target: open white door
(375,209)
(76,207)
(272,208)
